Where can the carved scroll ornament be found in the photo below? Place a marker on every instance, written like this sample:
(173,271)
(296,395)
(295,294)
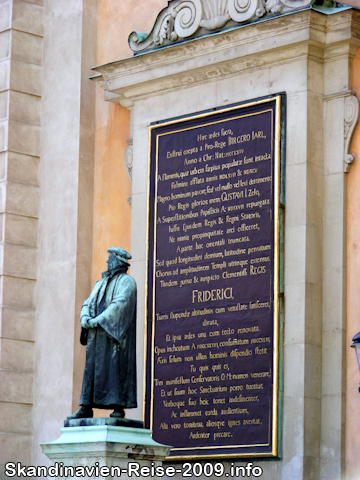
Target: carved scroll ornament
(182,19)
(128,160)
(350,121)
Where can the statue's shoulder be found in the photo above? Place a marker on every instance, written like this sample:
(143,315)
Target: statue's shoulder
(127,280)
(96,285)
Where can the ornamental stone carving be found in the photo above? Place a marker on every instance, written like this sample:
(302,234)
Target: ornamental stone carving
(351,118)
(184,19)
(128,160)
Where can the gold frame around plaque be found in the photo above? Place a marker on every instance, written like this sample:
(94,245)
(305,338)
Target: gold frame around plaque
(276,279)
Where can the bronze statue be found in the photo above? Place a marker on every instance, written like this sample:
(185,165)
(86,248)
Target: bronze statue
(108,329)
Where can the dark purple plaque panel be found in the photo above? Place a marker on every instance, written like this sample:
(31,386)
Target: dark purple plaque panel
(213,283)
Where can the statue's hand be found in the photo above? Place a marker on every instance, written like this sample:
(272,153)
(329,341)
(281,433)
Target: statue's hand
(92,323)
(85,321)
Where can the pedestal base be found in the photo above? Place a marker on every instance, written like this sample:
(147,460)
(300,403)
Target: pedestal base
(114,422)
(104,451)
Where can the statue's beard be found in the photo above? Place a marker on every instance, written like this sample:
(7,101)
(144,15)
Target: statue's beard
(119,266)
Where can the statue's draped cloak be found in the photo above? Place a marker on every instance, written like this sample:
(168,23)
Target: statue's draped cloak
(110,368)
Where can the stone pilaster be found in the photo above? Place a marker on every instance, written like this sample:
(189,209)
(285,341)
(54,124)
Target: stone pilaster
(65,228)
(21,38)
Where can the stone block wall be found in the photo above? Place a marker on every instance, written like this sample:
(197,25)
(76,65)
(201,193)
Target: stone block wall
(47,121)
(21,41)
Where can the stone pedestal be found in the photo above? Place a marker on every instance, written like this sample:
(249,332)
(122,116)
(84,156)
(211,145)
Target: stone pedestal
(104,451)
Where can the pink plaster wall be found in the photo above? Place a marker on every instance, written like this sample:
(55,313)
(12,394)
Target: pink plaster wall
(112,212)
(116,20)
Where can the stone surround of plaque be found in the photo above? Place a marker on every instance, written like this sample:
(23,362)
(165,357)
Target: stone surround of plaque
(214,281)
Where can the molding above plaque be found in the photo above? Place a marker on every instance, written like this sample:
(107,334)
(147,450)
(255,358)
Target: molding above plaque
(187,19)
(228,54)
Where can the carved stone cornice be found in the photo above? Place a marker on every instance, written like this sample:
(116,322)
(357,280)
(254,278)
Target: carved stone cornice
(185,19)
(261,45)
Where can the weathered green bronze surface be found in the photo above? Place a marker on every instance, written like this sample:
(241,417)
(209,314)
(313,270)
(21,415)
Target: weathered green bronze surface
(108,329)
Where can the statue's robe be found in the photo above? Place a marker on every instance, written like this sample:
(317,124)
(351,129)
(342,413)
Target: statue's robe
(110,368)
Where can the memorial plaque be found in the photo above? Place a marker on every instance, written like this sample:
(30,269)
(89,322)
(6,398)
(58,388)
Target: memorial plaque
(212,330)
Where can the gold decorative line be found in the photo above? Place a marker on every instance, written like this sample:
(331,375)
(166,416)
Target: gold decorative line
(220,456)
(216,122)
(154,278)
(276,274)
(155,220)
(146,277)
(224,446)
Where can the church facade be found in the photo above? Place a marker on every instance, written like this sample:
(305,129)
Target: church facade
(73,159)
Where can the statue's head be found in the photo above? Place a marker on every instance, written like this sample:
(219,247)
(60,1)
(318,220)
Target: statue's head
(118,257)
